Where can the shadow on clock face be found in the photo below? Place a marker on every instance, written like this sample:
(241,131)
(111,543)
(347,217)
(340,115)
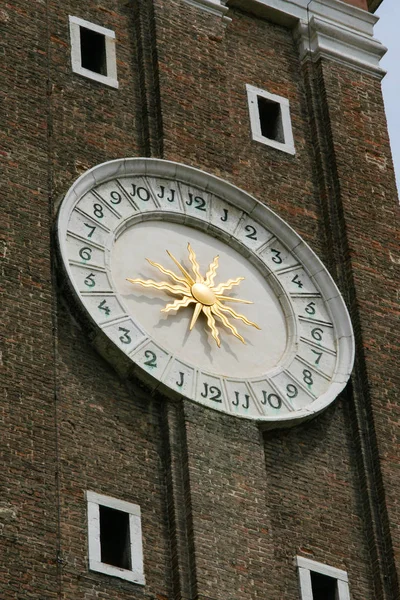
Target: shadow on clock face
(262,349)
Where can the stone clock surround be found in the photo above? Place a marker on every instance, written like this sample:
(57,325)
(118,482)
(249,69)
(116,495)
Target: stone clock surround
(340,31)
(261,215)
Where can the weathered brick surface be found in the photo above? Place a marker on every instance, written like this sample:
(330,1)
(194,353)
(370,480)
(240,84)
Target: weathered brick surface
(224,508)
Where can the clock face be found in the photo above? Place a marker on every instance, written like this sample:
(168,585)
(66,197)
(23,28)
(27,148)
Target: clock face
(208,292)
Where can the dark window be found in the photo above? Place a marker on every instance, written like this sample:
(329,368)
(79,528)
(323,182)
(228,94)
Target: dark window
(323,587)
(270,119)
(93,51)
(115,538)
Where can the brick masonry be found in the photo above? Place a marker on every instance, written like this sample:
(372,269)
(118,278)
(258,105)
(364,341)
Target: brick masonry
(225,508)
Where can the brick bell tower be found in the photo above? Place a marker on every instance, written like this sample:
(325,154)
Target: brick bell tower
(148,453)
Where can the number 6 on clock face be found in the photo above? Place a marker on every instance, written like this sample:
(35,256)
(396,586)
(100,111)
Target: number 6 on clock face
(231,310)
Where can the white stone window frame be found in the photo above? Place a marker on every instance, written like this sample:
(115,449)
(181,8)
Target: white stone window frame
(75,24)
(252,94)
(306,566)
(136,573)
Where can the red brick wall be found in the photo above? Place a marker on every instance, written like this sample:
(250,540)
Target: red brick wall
(224,508)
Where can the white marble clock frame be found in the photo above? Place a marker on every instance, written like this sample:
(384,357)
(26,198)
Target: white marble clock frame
(255,212)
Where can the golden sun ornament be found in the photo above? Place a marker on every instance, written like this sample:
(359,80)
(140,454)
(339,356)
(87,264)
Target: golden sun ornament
(208,298)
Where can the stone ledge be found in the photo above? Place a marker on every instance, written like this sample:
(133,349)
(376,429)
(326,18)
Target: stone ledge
(215,7)
(329,28)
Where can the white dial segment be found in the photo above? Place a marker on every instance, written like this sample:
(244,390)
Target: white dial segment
(139,192)
(242,402)
(291,391)
(125,334)
(195,203)
(318,356)
(318,332)
(150,239)
(152,358)
(273,404)
(114,196)
(90,279)
(103,307)
(166,194)
(210,391)
(224,215)
(99,211)
(276,256)
(308,377)
(181,378)
(252,234)
(85,252)
(296,281)
(87,228)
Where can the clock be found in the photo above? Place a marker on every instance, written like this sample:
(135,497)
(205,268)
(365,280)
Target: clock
(205,292)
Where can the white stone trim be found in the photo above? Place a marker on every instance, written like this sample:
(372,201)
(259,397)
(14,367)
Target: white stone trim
(328,28)
(288,144)
(157,168)
(75,23)
(136,573)
(215,7)
(305,566)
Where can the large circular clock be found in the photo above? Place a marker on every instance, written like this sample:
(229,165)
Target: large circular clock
(207,292)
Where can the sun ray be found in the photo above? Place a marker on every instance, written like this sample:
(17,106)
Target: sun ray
(230,299)
(211,324)
(225,321)
(174,289)
(188,278)
(167,272)
(195,265)
(211,273)
(196,313)
(221,287)
(177,304)
(237,315)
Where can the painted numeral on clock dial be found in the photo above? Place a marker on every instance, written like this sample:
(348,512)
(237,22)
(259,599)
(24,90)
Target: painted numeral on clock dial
(291,391)
(297,281)
(92,229)
(252,232)
(89,280)
(115,197)
(163,195)
(319,354)
(277,256)
(211,392)
(98,211)
(85,253)
(273,400)
(125,338)
(141,192)
(151,358)
(197,202)
(244,404)
(103,306)
(310,308)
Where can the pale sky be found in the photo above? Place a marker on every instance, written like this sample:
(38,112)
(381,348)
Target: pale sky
(387,31)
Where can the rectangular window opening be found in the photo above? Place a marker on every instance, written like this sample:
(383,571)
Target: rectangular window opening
(93,51)
(323,587)
(270,119)
(115,537)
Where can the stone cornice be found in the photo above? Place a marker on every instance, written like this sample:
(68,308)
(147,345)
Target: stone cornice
(329,28)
